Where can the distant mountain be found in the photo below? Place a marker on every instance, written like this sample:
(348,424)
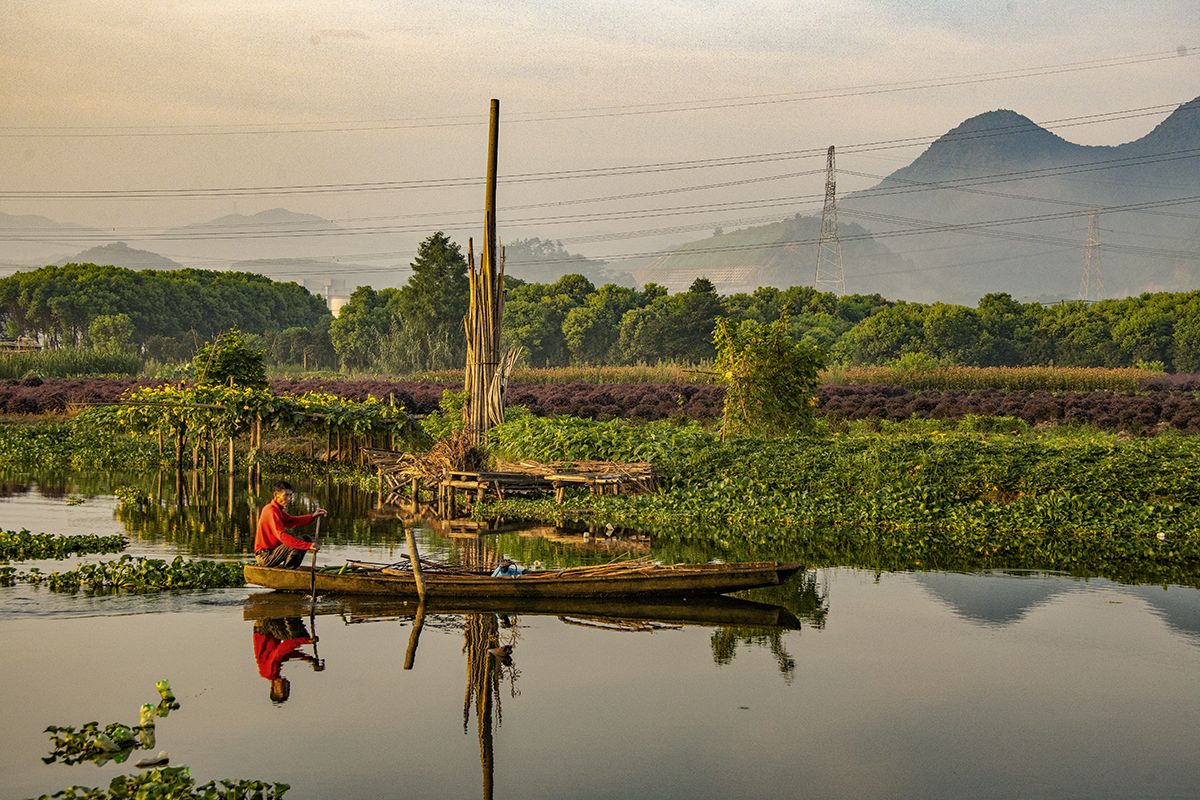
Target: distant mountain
(995,205)
(31,241)
(780,254)
(119,254)
(325,277)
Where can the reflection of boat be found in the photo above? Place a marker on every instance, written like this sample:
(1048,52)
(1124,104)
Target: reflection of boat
(644,580)
(708,610)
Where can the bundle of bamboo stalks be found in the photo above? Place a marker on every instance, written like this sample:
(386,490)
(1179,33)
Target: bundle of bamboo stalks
(643,564)
(639,473)
(487,370)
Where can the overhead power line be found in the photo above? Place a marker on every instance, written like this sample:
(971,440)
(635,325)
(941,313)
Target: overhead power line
(590,172)
(673,107)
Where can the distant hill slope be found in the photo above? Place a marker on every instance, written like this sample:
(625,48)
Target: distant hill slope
(28,241)
(119,254)
(780,254)
(996,205)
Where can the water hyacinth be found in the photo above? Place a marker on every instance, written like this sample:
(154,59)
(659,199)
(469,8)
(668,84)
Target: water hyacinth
(174,783)
(139,574)
(25,546)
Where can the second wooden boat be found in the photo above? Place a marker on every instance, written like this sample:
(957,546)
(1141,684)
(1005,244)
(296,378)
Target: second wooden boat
(643,580)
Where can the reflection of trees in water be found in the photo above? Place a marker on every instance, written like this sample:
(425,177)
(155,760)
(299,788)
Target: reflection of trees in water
(806,597)
(725,642)
(208,513)
(13,488)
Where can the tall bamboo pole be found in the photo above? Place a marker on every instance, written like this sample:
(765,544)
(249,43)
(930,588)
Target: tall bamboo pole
(484,319)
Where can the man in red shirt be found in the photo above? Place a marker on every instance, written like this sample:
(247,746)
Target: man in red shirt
(273,545)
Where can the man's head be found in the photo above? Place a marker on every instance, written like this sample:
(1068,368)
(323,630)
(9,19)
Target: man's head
(280,689)
(282,492)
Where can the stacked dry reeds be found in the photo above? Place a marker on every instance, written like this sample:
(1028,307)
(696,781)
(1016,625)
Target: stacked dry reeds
(453,454)
(639,474)
(643,564)
(487,370)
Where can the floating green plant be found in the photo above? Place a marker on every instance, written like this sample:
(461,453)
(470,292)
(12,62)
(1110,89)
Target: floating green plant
(23,546)
(91,743)
(138,574)
(114,741)
(173,783)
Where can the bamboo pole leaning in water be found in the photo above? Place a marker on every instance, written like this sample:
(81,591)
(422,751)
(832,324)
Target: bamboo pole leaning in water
(415,558)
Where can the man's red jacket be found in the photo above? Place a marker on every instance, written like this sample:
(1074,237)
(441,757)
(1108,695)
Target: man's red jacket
(271,524)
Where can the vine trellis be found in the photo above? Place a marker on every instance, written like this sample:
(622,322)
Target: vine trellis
(207,415)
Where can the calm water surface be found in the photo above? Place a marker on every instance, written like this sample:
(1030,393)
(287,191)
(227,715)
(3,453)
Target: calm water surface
(904,685)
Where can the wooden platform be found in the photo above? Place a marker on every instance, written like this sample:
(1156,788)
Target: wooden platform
(400,471)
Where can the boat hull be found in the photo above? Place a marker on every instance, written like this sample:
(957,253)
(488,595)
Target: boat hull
(659,581)
(707,610)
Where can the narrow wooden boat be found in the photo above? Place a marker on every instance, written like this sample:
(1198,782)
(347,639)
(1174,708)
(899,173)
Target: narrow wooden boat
(645,580)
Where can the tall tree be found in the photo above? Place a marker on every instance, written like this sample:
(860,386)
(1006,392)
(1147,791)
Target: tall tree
(431,306)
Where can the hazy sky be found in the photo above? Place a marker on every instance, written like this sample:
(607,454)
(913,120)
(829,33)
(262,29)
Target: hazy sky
(211,96)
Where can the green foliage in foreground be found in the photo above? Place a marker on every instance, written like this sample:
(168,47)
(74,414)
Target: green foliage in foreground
(173,783)
(138,574)
(769,378)
(25,546)
(548,439)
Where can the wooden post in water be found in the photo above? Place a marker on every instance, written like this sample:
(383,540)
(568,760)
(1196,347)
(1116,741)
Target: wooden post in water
(415,557)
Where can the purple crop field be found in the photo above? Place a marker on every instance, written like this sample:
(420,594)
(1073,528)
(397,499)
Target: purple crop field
(1165,401)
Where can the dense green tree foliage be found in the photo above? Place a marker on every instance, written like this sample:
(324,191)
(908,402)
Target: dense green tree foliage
(169,315)
(418,326)
(59,305)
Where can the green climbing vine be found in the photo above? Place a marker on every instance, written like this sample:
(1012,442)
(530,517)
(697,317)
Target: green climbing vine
(769,378)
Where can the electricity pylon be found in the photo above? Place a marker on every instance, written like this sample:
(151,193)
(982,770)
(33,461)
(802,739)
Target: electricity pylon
(830,277)
(1092,277)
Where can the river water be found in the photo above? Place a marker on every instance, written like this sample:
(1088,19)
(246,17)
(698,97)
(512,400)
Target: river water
(889,685)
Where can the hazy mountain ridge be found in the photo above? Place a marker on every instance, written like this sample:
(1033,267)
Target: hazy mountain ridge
(994,205)
(779,254)
(997,203)
(119,254)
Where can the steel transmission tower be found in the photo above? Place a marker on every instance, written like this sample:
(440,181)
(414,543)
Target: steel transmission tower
(1092,285)
(830,277)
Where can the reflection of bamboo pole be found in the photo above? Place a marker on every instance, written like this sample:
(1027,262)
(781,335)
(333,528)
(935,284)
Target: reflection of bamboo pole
(414,638)
(483,679)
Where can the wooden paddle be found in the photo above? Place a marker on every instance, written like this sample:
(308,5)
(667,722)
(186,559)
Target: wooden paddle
(316,541)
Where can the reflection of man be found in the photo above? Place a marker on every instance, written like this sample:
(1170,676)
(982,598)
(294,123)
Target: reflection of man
(277,641)
(273,545)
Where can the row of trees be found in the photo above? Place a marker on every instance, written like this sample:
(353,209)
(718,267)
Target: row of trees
(166,315)
(571,321)
(162,313)
(1160,330)
(420,325)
